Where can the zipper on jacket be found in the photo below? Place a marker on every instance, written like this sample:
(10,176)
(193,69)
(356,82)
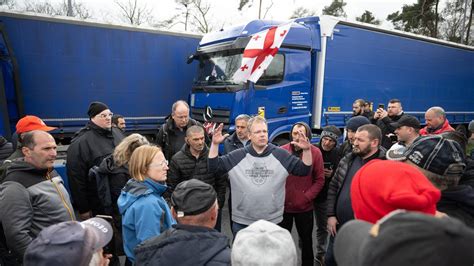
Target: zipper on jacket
(60,195)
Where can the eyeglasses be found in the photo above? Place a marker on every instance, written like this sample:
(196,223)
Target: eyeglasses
(161,164)
(105,115)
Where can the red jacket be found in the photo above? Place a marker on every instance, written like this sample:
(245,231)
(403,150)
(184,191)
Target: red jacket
(445,128)
(302,190)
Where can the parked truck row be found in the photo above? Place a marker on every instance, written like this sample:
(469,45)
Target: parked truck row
(53,67)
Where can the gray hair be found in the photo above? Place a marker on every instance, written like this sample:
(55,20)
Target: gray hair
(243,117)
(177,103)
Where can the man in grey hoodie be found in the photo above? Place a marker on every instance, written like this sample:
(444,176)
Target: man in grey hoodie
(32,195)
(258,174)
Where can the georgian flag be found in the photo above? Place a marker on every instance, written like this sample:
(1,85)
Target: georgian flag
(259,52)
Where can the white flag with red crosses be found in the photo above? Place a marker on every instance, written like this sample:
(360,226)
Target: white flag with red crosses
(259,52)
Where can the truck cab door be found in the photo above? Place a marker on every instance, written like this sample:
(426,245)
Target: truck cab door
(283,91)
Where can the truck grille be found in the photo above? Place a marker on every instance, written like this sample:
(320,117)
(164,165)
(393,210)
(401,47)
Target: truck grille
(220,116)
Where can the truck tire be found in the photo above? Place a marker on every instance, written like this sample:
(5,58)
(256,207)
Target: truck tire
(280,141)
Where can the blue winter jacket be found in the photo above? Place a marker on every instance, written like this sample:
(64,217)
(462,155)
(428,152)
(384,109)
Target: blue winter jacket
(145,213)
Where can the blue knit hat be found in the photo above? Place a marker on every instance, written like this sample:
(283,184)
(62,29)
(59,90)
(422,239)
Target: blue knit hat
(355,122)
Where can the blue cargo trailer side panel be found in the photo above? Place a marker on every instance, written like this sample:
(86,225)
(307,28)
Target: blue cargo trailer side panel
(377,66)
(64,66)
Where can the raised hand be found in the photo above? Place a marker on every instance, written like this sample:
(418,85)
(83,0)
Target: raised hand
(217,137)
(302,141)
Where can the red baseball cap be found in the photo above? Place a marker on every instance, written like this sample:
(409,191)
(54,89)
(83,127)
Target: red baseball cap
(30,123)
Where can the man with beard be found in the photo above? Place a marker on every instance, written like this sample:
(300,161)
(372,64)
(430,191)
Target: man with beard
(358,107)
(191,163)
(384,120)
(351,127)
(366,147)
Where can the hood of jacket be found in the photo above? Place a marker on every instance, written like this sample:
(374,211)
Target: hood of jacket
(19,165)
(134,190)
(269,149)
(91,126)
(108,167)
(188,245)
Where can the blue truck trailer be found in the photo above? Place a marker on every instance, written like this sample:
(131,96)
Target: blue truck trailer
(323,65)
(53,67)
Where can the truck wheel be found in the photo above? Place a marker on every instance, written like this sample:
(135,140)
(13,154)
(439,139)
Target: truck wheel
(462,129)
(280,141)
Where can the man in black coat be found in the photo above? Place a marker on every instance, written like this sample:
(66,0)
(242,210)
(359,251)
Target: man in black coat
(192,241)
(240,137)
(191,162)
(171,135)
(384,119)
(328,147)
(88,148)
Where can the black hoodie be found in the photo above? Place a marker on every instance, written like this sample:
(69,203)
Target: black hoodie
(30,200)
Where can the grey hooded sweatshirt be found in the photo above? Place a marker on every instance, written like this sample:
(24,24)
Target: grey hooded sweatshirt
(258,181)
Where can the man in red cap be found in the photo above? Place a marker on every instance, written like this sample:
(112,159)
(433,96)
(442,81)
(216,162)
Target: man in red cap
(26,124)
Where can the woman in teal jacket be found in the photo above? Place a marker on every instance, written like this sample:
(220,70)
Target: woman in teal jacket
(145,213)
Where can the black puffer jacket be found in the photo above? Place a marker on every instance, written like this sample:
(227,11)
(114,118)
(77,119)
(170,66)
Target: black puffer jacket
(338,179)
(185,245)
(88,148)
(185,166)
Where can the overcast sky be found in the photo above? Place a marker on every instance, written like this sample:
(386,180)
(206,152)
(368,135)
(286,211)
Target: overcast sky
(225,13)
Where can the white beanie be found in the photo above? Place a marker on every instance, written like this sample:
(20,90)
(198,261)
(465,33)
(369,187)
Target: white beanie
(264,243)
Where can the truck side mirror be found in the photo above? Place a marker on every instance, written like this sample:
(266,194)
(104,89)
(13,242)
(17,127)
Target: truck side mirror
(190,59)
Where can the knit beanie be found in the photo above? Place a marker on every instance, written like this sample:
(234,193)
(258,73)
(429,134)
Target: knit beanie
(96,108)
(331,132)
(381,186)
(471,126)
(355,122)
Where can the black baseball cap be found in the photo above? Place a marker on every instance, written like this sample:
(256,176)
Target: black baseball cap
(405,238)
(407,120)
(192,197)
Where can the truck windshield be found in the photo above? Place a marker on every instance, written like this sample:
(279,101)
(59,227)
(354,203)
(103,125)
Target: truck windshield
(218,68)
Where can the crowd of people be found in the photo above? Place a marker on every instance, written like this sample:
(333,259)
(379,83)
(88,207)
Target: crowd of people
(392,193)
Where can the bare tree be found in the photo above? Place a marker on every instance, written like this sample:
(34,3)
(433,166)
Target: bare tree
(200,16)
(185,7)
(266,9)
(133,12)
(9,3)
(62,9)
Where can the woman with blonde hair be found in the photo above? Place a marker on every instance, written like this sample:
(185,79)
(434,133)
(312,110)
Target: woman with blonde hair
(145,212)
(111,176)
